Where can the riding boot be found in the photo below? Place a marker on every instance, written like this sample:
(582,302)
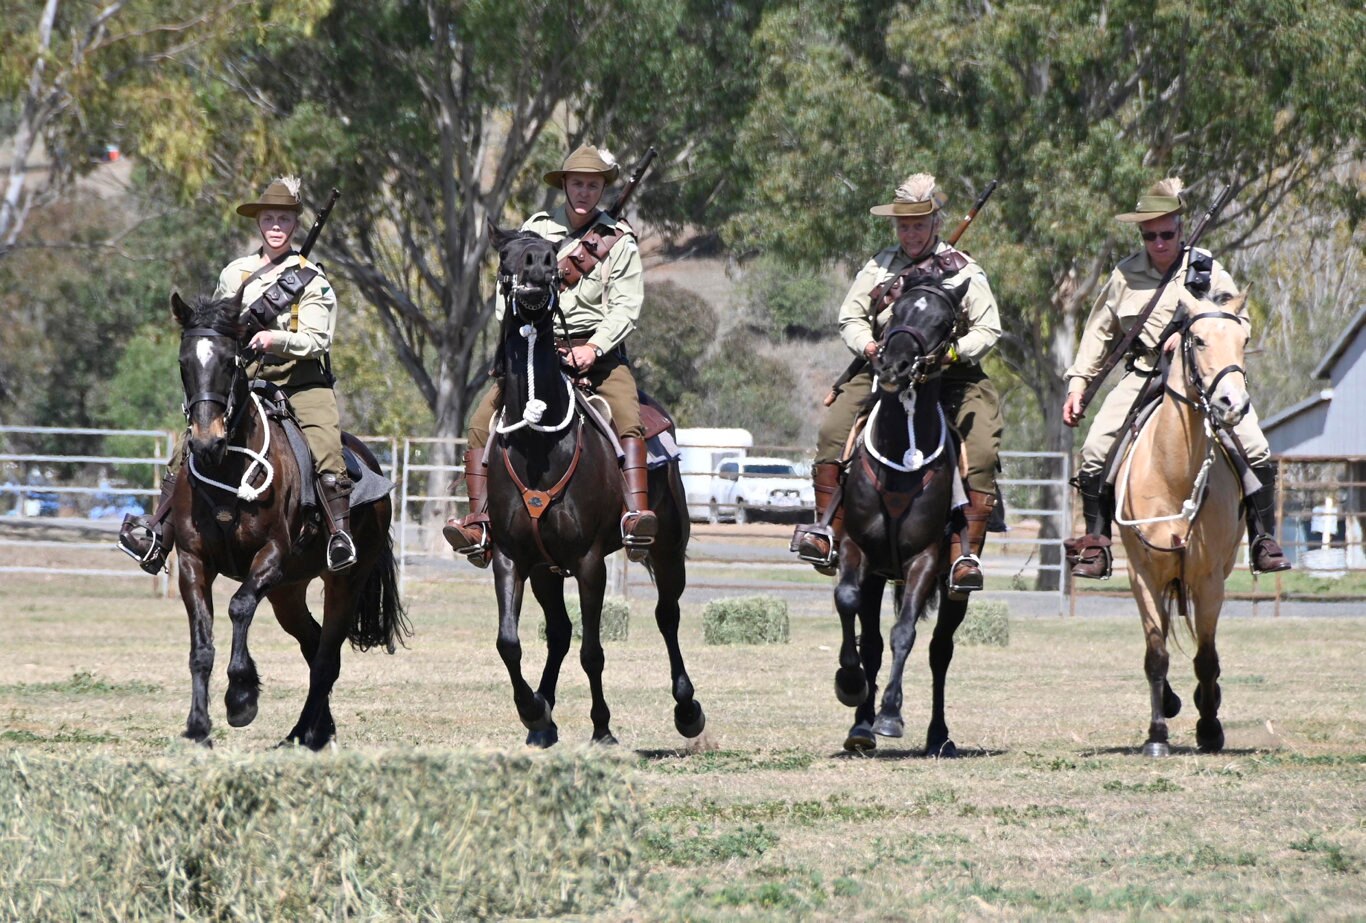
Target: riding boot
(1264,552)
(965,574)
(335,491)
(639,525)
(1090,555)
(818,542)
(144,539)
(470,535)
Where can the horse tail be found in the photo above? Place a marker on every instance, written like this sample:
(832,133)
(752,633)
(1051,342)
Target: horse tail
(1178,592)
(380,620)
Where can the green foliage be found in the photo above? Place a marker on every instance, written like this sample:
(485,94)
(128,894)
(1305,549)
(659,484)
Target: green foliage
(615,624)
(787,300)
(413,835)
(987,622)
(745,388)
(675,330)
(746,620)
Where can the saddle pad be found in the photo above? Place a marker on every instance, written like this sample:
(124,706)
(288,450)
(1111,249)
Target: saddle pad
(369,485)
(661,450)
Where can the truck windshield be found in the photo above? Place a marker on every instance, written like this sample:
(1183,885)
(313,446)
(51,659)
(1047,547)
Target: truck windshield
(768,469)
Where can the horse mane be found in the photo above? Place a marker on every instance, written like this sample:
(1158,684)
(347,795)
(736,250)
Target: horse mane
(218,313)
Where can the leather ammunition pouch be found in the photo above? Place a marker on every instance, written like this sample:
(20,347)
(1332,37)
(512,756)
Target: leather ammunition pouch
(277,298)
(934,270)
(591,250)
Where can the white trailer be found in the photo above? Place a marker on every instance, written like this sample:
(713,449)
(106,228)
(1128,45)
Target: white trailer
(701,451)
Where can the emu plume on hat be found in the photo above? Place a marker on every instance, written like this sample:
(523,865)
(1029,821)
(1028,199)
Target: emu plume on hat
(1162,198)
(917,196)
(281,195)
(587,159)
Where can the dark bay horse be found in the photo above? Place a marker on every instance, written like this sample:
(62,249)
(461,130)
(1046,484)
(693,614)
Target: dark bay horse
(555,505)
(1176,498)
(265,541)
(897,504)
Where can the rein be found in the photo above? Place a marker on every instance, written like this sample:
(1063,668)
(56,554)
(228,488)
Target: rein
(260,460)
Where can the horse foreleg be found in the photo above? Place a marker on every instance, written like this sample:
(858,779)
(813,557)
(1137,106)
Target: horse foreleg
(509,584)
(196,589)
(910,597)
(851,685)
(1152,607)
(548,589)
(670,579)
(244,684)
(1209,599)
(592,578)
(951,615)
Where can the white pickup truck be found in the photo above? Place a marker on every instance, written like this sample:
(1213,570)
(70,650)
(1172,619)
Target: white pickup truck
(752,488)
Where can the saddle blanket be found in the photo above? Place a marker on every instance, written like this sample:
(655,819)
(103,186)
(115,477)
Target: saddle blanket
(369,486)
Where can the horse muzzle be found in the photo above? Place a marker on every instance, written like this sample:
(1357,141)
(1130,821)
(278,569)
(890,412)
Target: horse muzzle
(208,440)
(1230,406)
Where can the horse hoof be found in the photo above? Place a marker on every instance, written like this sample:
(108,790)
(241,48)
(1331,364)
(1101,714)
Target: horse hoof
(241,705)
(606,740)
(1209,735)
(851,687)
(888,726)
(543,739)
(1156,748)
(860,738)
(689,719)
(201,740)
(944,750)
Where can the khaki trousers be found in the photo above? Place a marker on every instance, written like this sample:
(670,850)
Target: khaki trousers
(611,378)
(971,404)
(1109,421)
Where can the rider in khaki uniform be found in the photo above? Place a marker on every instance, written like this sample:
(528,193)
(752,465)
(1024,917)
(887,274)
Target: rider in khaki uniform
(1125,295)
(969,398)
(292,355)
(601,309)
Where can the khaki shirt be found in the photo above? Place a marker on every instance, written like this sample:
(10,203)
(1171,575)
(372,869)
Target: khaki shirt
(317,306)
(984,318)
(1125,295)
(607,300)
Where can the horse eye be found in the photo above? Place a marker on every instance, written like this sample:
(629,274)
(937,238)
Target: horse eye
(1199,343)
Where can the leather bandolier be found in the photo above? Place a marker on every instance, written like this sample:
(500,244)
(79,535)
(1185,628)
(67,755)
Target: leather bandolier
(938,266)
(278,297)
(591,250)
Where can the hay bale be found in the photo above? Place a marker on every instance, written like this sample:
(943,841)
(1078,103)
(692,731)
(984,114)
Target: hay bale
(987,622)
(616,619)
(295,835)
(746,620)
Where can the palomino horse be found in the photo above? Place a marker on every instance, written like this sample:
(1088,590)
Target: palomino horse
(898,497)
(265,542)
(555,505)
(1177,498)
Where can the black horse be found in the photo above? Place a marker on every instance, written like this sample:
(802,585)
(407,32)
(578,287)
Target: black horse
(555,505)
(897,504)
(267,542)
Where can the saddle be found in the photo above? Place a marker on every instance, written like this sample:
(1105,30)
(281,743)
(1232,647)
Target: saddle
(659,427)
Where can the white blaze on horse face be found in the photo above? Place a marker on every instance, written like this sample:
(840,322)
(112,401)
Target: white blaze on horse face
(203,351)
(921,304)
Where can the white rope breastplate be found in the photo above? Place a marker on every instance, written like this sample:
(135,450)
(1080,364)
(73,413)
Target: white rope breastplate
(259,461)
(535,407)
(913,459)
(1189,507)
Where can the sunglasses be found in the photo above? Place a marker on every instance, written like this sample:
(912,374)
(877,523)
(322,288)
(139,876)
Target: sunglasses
(1151,236)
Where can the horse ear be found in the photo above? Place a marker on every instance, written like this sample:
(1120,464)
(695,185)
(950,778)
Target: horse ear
(179,309)
(958,292)
(497,236)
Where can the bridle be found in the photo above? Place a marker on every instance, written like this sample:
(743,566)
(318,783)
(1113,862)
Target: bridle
(1193,381)
(929,357)
(228,400)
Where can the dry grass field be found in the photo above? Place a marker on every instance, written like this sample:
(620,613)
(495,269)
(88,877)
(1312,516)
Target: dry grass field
(1050,812)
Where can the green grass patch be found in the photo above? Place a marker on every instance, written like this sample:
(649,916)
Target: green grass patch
(805,813)
(290,835)
(1294,583)
(64,735)
(987,622)
(699,845)
(1157,786)
(615,624)
(746,620)
(82,684)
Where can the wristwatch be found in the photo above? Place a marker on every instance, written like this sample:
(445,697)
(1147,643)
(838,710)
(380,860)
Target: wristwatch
(597,352)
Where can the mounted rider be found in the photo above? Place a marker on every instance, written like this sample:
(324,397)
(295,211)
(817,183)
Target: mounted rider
(969,398)
(290,304)
(1129,290)
(602,289)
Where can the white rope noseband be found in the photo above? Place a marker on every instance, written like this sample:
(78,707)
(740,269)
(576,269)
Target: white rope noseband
(258,461)
(913,459)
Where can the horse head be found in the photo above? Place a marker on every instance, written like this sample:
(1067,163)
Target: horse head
(210,370)
(924,321)
(1213,338)
(528,273)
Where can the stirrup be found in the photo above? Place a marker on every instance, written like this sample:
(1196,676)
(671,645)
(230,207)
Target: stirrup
(1276,568)
(962,589)
(136,528)
(1082,553)
(634,537)
(827,562)
(341,551)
